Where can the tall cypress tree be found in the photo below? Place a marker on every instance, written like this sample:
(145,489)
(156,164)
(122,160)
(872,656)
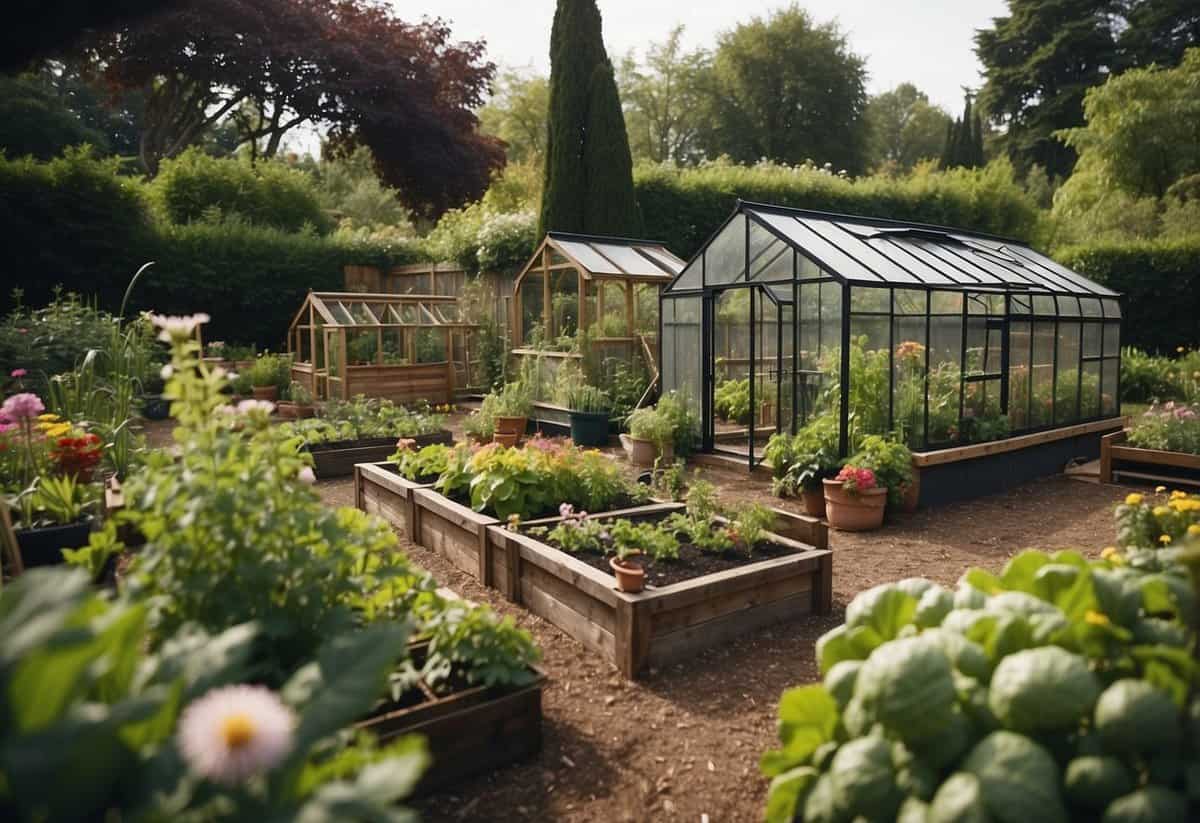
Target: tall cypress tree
(588,180)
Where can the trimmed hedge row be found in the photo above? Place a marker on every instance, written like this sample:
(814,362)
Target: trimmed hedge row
(74,223)
(682,207)
(1161,284)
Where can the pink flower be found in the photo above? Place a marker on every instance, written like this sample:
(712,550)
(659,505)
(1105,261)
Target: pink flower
(405,443)
(307,476)
(6,427)
(19,373)
(22,406)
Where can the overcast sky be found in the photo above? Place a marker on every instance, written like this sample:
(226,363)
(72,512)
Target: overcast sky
(925,42)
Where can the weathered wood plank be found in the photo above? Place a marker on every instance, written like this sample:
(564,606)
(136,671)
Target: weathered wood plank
(709,586)
(595,611)
(459,546)
(686,642)
(667,621)
(1024,441)
(570,621)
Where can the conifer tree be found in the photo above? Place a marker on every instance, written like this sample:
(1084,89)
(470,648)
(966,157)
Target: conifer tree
(588,179)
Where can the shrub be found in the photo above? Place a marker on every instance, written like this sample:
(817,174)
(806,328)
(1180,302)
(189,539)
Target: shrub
(683,206)
(195,185)
(1160,281)
(1002,700)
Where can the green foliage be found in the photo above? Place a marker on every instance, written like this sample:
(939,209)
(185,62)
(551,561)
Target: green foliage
(889,460)
(588,180)
(1171,427)
(516,113)
(731,400)
(514,400)
(665,97)
(804,460)
(649,424)
(1035,698)
(90,714)
(35,121)
(194,185)
(682,206)
(423,465)
(1137,128)
(759,108)
(1147,377)
(904,129)
(271,370)
(964,141)
(1160,304)
(479,237)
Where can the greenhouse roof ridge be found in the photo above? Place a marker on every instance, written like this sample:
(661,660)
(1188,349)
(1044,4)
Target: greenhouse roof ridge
(889,222)
(604,238)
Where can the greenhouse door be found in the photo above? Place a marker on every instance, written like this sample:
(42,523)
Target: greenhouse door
(742,386)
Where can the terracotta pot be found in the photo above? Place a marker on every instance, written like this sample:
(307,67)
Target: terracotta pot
(509,440)
(814,502)
(858,512)
(630,576)
(643,452)
(510,425)
(266,393)
(912,495)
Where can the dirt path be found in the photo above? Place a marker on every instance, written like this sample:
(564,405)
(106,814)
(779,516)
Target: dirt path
(685,742)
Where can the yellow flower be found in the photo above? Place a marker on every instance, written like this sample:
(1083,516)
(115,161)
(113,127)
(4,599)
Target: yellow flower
(1159,489)
(1109,552)
(1178,495)
(1096,618)
(47,417)
(54,429)
(1134,500)
(1194,530)
(1161,511)
(1164,539)
(1180,349)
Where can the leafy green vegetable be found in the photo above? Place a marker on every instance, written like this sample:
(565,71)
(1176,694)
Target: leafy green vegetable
(907,686)
(1093,782)
(1045,689)
(1018,778)
(1134,716)
(1152,804)
(959,800)
(864,781)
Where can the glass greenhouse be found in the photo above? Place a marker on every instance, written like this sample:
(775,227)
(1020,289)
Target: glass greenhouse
(943,337)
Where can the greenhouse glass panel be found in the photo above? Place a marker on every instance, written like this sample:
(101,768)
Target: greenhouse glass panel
(680,345)
(870,364)
(690,278)
(629,260)
(945,376)
(725,257)
(564,303)
(1108,386)
(645,309)
(1066,390)
(588,257)
(1112,339)
(1089,390)
(908,380)
(1020,349)
(532,309)
(1042,413)
(614,318)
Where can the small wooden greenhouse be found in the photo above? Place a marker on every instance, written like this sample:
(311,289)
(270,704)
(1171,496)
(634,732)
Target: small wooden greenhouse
(608,286)
(404,348)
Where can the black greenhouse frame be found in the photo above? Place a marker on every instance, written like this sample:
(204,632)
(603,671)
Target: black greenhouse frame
(798,306)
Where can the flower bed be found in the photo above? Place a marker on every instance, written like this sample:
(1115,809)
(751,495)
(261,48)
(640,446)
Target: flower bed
(1162,446)
(785,579)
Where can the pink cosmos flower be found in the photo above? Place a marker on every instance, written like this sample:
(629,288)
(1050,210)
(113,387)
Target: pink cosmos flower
(19,373)
(23,406)
(307,476)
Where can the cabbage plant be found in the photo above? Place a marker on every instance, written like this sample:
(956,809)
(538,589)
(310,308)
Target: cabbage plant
(1059,690)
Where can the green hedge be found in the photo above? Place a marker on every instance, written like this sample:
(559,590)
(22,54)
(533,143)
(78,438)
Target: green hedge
(73,222)
(1161,285)
(682,207)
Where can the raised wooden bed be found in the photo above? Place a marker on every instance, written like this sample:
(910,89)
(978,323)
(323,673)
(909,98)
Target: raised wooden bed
(663,625)
(380,490)
(468,732)
(338,458)
(1118,461)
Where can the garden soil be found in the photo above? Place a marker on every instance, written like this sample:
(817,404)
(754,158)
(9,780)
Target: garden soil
(684,743)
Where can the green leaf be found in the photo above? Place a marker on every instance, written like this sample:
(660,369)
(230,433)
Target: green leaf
(783,797)
(985,581)
(842,643)
(808,716)
(1019,573)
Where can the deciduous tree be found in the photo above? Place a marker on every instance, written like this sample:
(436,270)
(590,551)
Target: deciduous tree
(664,100)
(904,128)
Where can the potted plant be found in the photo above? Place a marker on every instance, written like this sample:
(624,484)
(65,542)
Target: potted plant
(268,371)
(513,406)
(802,462)
(651,435)
(299,403)
(55,515)
(854,502)
(589,410)
(891,461)
(631,577)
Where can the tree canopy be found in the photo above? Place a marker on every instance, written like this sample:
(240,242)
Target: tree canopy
(405,90)
(787,89)
(588,181)
(904,128)
(664,97)
(516,113)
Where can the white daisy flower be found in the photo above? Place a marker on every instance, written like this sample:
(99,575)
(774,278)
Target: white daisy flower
(167,371)
(256,407)
(178,328)
(235,732)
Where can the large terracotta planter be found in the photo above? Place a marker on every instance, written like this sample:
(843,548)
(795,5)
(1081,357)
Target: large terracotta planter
(814,502)
(294,411)
(644,452)
(270,393)
(858,512)
(505,439)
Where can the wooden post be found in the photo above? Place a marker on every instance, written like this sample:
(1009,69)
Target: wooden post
(628,308)
(312,354)
(342,355)
(546,313)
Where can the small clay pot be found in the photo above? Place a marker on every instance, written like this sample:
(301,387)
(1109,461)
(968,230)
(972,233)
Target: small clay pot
(510,425)
(270,393)
(631,577)
(292,411)
(858,512)
(644,452)
(814,502)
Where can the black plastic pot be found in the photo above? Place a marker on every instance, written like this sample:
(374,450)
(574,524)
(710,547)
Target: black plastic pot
(43,546)
(155,407)
(589,428)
